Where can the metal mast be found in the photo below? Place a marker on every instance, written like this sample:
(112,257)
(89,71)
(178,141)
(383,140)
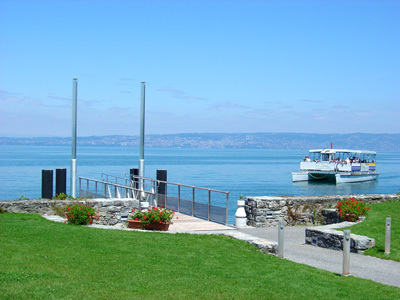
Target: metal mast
(74,122)
(142,119)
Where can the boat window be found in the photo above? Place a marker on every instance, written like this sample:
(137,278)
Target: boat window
(325,157)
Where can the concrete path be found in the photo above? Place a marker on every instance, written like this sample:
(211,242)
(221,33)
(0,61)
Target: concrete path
(362,266)
(295,249)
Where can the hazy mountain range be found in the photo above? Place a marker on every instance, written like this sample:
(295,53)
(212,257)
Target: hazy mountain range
(364,141)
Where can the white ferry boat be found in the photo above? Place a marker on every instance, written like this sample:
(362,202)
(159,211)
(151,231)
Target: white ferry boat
(339,165)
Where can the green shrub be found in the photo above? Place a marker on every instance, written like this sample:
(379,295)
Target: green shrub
(63,196)
(80,214)
(21,197)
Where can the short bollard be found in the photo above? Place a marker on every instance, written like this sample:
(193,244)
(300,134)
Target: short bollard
(47,184)
(387,235)
(346,252)
(61,181)
(240,215)
(280,237)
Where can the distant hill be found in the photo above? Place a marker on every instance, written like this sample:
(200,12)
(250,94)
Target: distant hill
(300,141)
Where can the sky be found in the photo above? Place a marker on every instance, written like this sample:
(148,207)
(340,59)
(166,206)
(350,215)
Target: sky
(209,66)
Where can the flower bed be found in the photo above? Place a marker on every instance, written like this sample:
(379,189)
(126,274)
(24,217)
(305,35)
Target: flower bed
(351,209)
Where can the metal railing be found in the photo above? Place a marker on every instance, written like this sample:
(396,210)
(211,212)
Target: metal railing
(196,201)
(105,189)
(205,203)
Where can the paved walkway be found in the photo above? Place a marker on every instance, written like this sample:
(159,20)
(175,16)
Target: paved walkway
(362,266)
(295,249)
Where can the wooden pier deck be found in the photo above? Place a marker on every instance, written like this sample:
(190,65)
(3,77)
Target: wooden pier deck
(184,223)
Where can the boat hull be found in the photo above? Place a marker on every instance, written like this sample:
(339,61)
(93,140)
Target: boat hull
(347,178)
(300,176)
(338,177)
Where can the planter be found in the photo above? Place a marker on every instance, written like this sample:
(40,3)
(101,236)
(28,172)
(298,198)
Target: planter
(157,226)
(134,224)
(350,218)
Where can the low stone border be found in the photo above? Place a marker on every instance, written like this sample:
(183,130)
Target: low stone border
(110,211)
(327,237)
(264,245)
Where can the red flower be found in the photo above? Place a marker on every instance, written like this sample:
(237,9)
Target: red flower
(90,222)
(145,217)
(136,219)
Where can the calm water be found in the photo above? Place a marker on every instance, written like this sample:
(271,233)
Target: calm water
(250,172)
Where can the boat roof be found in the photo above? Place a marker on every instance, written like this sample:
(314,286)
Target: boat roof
(333,151)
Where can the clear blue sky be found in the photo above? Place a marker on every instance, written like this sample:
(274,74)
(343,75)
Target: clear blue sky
(209,66)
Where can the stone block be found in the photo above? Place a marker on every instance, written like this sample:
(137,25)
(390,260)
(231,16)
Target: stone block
(260,219)
(261,204)
(113,209)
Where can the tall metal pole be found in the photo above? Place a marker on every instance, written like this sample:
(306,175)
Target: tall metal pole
(74,122)
(141,154)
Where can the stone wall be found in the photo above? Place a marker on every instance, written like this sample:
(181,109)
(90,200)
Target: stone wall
(329,237)
(108,210)
(302,210)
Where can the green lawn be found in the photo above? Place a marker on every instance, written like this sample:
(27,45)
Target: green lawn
(40,259)
(374,227)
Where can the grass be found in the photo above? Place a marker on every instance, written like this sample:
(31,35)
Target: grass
(40,259)
(374,227)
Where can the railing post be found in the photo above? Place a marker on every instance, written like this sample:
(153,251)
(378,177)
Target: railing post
(87,188)
(209,204)
(179,197)
(346,252)
(226,210)
(193,201)
(80,186)
(387,235)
